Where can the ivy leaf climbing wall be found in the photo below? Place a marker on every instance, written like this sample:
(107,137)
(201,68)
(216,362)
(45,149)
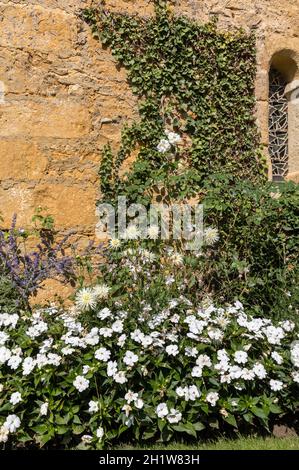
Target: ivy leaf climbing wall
(191,79)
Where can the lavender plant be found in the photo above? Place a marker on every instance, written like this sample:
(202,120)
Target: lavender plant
(27,270)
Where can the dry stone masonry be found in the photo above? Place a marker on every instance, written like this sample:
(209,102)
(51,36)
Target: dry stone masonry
(62,97)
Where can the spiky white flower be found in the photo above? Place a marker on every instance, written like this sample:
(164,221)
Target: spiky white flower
(114,243)
(177,259)
(131,233)
(153,232)
(211,236)
(86,299)
(101,291)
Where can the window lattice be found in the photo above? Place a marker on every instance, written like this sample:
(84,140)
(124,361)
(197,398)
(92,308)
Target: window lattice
(278,124)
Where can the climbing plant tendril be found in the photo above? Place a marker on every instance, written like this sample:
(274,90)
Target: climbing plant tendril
(189,78)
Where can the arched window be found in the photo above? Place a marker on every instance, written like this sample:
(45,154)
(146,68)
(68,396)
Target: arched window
(284,115)
(278,125)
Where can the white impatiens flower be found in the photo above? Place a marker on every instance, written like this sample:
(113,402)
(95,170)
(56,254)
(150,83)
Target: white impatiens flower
(203,361)
(3,338)
(153,232)
(295,353)
(295,376)
(100,433)
(196,371)
(4,433)
(93,406)
(212,398)
(120,377)
(104,313)
(114,243)
(259,370)
(192,393)
(28,365)
(247,374)
(14,362)
(101,291)
(162,410)
(277,357)
(15,398)
(86,299)
(111,368)
(106,332)
(43,411)
(172,350)
(211,236)
(241,357)
(139,403)
(81,383)
(37,329)
(163,146)
(85,370)
(174,416)
(117,326)
(121,340)
(12,423)
(131,396)
(276,385)
(173,137)
(274,334)
(86,439)
(5,354)
(102,354)
(130,358)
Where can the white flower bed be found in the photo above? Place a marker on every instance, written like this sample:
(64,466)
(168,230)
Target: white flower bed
(69,378)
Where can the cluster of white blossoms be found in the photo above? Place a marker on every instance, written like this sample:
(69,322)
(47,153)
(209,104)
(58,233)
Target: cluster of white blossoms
(120,351)
(172,138)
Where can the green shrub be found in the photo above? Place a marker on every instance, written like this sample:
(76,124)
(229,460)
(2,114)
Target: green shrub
(256,259)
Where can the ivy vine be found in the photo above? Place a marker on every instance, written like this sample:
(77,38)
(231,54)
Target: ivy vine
(189,78)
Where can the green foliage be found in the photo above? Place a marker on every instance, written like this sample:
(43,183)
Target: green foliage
(191,79)
(9,298)
(256,259)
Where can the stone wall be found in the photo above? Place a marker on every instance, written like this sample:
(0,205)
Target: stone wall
(62,96)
